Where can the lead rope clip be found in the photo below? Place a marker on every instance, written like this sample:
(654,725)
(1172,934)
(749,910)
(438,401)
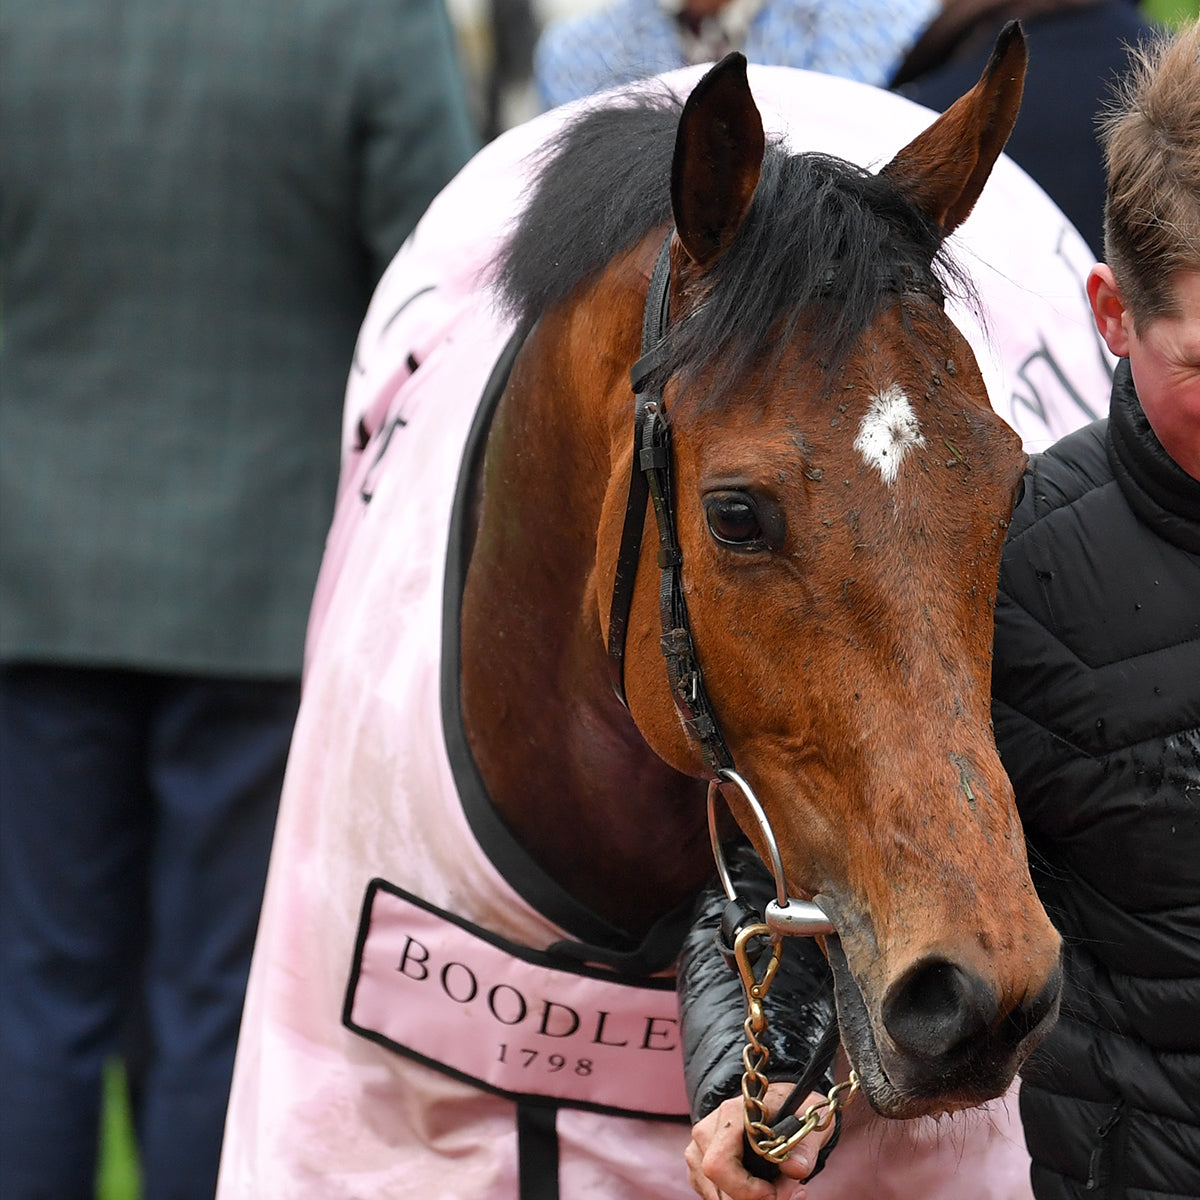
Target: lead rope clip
(784,916)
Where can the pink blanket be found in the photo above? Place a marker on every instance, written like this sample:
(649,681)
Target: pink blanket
(318,1110)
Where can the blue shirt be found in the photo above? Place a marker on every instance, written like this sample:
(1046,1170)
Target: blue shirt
(864,40)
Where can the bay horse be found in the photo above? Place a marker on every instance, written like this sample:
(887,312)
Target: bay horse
(814,502)
(839,574)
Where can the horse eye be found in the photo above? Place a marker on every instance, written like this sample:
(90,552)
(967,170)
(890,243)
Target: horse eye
(733,521)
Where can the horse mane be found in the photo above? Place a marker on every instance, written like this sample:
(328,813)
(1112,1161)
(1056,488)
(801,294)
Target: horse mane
(824,244)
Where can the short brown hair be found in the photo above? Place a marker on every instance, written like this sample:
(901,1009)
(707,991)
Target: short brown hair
(1151,137)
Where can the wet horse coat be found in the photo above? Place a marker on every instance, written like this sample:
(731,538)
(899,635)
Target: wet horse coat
(374,792)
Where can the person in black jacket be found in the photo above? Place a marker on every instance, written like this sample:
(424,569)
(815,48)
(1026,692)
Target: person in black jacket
(1096,684)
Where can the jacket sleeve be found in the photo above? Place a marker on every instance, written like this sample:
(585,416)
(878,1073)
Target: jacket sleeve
(799,1005)
(415,127)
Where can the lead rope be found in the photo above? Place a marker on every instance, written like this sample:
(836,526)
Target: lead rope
(774,1141)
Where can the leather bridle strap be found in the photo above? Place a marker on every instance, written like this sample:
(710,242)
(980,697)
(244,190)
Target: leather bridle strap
(650,480)
(654,323)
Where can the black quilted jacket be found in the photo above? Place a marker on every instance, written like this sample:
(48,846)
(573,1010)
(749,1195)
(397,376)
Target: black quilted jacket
(1097,711)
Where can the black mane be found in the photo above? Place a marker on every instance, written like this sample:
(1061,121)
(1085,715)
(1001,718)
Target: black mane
(823,237)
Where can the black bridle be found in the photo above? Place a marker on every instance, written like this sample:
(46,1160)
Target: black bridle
(650,482)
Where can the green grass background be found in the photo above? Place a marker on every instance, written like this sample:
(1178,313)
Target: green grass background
(1171,11)
(118,1177)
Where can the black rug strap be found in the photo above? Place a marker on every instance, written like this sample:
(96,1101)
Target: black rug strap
(537,1150)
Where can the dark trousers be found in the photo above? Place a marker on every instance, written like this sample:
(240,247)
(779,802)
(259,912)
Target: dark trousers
(136,815)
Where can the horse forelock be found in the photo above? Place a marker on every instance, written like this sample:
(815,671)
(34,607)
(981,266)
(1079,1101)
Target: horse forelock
(824,246)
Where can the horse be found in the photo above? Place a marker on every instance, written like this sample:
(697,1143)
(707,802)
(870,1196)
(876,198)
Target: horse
(508,787)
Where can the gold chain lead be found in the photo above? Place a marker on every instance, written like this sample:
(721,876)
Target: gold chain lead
(764,1140)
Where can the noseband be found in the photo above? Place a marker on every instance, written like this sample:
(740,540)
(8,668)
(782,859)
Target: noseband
(650,482)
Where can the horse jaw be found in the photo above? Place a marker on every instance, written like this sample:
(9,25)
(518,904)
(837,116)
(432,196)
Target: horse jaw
(538,710)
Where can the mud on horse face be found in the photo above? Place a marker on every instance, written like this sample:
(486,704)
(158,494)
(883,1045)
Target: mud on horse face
(838,490)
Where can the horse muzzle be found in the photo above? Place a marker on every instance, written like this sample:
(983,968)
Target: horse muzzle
(932,1036)
(938,1039)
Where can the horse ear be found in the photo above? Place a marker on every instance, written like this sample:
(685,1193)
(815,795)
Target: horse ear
(718,157)
(944,169)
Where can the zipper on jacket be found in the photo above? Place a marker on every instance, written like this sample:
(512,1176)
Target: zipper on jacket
(1096,1162)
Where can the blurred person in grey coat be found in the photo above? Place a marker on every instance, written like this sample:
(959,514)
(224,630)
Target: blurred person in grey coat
(196,201)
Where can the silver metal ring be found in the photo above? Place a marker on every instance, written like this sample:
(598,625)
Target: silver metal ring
(728,775)
(787,916)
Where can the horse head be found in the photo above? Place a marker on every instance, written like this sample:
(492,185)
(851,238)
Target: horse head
(839,492)
(842,539)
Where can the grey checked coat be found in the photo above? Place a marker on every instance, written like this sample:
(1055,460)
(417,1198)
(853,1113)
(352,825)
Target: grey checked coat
(196,200)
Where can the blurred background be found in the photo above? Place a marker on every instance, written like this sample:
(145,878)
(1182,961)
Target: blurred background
(496,38)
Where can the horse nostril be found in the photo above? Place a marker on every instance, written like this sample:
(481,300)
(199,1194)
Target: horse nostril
(936,1007)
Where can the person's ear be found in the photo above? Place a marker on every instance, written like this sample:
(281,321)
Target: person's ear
(1113,319)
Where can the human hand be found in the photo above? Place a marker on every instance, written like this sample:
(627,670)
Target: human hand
(714,1156)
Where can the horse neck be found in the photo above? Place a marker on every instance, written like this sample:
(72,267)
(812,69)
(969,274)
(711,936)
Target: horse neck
(563,761)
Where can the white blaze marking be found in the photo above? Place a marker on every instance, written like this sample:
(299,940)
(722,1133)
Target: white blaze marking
(888,429)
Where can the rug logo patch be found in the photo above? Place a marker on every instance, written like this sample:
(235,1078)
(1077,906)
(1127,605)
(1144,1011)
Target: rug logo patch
(510,1019)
